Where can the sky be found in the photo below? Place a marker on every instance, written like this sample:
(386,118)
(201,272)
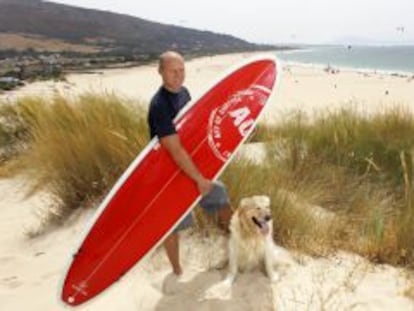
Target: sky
(279,21)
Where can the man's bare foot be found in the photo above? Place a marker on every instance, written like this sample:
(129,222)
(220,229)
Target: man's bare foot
(178,271)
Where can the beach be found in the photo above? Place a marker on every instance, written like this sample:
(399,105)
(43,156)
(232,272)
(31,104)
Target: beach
(302,87)
(32,269)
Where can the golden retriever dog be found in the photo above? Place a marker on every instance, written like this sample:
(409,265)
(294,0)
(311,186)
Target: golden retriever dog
(250,246)
(251,242)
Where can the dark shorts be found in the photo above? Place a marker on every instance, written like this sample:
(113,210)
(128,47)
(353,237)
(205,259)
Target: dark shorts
(216,199)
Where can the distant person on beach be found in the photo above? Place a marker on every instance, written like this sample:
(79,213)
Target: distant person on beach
(170,98)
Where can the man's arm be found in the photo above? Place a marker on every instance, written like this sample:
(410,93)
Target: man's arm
(173,144)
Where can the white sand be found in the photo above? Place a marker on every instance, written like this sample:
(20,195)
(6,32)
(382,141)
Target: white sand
(31,269)
(31,272)
(301,87)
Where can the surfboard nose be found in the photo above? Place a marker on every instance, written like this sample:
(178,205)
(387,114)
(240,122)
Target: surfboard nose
(267,78)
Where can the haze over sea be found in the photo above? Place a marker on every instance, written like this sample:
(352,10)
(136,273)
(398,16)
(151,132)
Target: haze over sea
(382,58)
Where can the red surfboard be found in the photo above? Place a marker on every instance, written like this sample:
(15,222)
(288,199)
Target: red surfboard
(153,194)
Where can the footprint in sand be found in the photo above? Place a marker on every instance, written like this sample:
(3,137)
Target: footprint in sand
(49,275)
(11,282)
(6,259)
(221,291)
(172,284)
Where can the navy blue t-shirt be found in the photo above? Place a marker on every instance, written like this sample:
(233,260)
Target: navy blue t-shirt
(164,106)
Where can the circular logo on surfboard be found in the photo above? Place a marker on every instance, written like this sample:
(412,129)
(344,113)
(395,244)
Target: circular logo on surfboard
(229,123)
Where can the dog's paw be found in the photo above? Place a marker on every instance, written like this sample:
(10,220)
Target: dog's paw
(221,291)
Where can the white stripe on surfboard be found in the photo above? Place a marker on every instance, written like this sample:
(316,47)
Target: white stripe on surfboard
(262,88)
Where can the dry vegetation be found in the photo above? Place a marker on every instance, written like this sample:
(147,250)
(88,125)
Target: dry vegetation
(342,181)
(74,148)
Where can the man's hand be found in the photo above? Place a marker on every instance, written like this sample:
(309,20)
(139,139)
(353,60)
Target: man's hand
(173,145)
(204,186)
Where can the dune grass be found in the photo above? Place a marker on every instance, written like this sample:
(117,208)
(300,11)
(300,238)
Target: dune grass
(339,181)
(13,130)
(357,168)
(76,148)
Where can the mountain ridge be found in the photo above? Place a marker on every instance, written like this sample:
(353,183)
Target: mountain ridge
(111,31)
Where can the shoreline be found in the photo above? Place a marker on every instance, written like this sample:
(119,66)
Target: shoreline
(349,67)
(240,56)
(320,66)
(301,87)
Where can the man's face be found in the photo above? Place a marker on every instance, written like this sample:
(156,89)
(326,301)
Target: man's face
(173,73)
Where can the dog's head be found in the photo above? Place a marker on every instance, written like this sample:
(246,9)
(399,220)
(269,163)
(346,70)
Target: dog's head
(255,216)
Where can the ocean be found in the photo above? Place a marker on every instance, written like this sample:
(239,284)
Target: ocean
(381,58)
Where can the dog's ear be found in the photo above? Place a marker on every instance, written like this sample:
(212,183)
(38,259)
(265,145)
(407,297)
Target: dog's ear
(246,202)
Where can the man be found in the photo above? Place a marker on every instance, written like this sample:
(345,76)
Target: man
(165,104)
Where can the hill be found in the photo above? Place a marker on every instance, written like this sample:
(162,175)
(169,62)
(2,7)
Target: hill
(50,26)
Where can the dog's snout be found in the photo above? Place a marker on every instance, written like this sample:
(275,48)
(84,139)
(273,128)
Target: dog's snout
(267,218)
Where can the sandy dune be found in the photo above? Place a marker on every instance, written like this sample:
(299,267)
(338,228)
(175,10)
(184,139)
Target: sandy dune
(31,271)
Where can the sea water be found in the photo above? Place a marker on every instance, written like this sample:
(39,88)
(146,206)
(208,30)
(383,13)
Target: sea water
(381,58)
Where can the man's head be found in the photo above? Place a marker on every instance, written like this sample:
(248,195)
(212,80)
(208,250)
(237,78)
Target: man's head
(172,71)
